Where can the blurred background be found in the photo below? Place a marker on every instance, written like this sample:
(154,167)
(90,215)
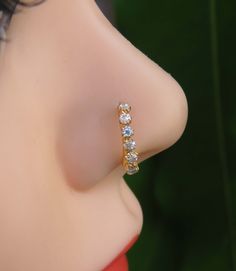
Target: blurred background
(188,192)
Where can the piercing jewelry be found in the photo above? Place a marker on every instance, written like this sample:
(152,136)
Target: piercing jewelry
(130,156)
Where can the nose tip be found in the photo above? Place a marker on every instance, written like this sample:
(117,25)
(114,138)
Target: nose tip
(132,204)
(164,119)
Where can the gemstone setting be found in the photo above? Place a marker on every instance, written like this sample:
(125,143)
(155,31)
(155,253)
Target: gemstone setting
(125,118)
(127,131)
(124,107)
(132,157)
(132,169)
(130,145)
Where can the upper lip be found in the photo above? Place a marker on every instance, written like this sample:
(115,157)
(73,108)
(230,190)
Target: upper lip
(128,246)
(125,249)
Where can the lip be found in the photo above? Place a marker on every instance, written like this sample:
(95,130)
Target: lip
(120,262)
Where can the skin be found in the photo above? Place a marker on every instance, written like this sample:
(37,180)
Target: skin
(64,204)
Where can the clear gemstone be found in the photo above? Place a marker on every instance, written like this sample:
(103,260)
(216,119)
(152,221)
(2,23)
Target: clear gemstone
(125,118)
(132,157)
(130,145)
(132,170)
(124,107)
(127,131)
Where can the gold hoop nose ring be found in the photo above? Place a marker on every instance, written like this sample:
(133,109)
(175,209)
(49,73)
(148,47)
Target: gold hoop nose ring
(130,155)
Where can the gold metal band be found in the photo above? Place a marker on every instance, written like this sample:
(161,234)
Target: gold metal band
(130,155)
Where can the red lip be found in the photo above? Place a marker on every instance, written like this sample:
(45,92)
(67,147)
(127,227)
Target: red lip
(120,263)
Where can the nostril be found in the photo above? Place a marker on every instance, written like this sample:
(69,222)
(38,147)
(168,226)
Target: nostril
(132,204)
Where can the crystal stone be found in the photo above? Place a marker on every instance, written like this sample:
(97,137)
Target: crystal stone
(132,157)
(127,131)
(132,170)
(124,107)
(125,118)
(130,145)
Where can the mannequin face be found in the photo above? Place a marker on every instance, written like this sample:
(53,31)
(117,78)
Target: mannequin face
(63,199)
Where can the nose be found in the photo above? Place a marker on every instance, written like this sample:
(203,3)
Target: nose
(159,105)
(105,68)
(109,70)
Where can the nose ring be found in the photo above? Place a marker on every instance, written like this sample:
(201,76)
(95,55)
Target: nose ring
(130,155)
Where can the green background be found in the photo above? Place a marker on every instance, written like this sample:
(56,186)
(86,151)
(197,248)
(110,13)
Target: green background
(188,192)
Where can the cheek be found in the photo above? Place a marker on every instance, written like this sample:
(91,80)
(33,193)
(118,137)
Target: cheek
(88,146)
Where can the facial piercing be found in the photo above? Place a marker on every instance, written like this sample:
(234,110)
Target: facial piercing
(130,155)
